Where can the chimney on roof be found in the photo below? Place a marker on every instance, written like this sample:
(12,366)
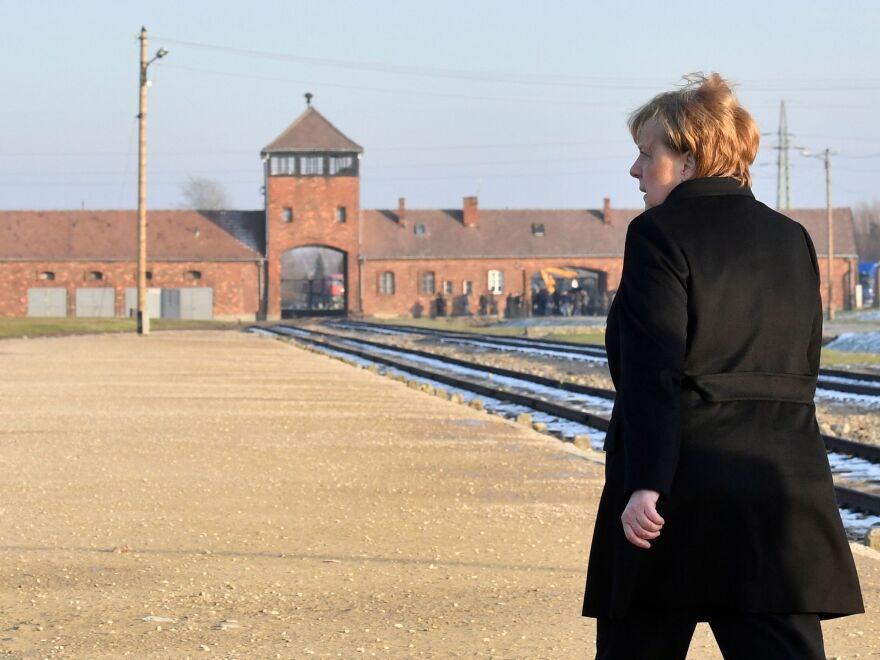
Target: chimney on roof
(401,211)
(606,210)
(471,214)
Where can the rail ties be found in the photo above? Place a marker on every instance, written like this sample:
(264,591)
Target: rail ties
(448,377)
(829,379)
(851,383)
(857,500)
(852,448)
(564,348)
(384,354)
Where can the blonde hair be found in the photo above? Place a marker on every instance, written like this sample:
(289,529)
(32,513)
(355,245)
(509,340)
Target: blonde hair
(705,118)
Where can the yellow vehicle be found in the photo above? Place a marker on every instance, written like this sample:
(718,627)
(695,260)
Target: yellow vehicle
(549,275)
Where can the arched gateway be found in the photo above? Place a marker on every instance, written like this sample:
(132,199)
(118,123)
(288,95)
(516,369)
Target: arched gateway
(313,281)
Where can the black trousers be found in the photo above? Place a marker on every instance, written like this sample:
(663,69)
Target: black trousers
(740,637)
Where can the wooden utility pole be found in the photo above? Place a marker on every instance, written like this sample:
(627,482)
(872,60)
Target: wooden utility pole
(143,315)
(826,156)
(143,312)
(830,234)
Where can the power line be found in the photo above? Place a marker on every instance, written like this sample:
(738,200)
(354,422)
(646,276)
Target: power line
(127,160)
(835,84)
(432,147)
(430,72)
(407,92)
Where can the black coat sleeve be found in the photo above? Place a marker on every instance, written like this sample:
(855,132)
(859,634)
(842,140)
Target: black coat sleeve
(815,345)
(653,321)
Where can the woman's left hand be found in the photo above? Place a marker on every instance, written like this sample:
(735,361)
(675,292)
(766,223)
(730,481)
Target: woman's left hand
(641,522)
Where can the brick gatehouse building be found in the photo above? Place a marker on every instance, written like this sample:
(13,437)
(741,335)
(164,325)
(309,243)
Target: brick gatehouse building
(313,249)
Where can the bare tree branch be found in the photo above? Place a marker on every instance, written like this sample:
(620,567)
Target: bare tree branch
(204,194)
(866,218)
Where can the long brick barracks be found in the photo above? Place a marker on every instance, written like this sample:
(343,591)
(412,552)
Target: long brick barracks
(314,250)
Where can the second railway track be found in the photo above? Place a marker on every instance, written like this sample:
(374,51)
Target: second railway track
(830,380)
(587,408)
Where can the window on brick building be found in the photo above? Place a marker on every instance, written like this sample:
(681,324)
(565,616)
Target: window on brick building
(149,275)
(386,283)
(311,165)
(467,287)
(496,281)
(428,282)
(94,275)
(341,214)
(315,164)
(341,165)
(47,275)
(287,214)
(537,229)
(448,287)
(420,230)
(193,274)
(281,165)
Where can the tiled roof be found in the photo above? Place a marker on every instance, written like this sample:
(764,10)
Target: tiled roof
(249,227)
(566,233)
(499,233)
(240,235)
(312,132)
(816,223)
(112,235)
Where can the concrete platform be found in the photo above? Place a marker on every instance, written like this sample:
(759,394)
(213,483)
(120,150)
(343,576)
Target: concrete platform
(214,494)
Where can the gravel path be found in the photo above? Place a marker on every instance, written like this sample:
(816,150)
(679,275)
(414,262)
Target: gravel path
(221,495)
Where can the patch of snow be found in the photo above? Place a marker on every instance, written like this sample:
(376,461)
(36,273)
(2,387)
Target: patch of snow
(856,342)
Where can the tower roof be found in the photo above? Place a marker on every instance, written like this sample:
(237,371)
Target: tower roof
(312,132)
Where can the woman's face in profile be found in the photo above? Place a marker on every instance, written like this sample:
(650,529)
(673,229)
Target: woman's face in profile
(658,168)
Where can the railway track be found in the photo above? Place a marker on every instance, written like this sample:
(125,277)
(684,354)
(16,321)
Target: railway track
(560,348)
(585,409)
(830,380)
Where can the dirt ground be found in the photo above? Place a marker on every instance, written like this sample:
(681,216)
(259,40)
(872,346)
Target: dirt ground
(221,495)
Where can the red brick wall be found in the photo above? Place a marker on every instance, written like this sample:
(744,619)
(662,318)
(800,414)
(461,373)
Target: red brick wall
(845,279)
(235,284)
(407,277)
(314,200)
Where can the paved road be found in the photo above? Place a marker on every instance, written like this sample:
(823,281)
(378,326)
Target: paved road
(213,494)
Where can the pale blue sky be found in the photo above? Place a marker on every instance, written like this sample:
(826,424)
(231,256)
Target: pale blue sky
(522,103)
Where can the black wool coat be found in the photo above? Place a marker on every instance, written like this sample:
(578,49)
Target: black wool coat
(713,344)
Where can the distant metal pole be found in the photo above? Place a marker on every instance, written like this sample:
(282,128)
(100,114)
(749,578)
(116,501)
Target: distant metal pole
(830,234)
(783,170)
(143,316)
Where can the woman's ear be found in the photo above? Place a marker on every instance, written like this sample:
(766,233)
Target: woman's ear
(688,166)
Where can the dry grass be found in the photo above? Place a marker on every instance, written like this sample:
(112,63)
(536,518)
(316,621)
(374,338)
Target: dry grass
(54,327)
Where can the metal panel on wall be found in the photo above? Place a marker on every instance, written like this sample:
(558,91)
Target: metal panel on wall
(154,302)
(170,303)
(47,302)
(197,303)
(96,302)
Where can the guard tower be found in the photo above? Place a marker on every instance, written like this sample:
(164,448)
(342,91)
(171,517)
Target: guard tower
(312,189)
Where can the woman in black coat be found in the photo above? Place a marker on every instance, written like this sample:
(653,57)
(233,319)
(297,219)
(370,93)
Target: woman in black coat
(718,503)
